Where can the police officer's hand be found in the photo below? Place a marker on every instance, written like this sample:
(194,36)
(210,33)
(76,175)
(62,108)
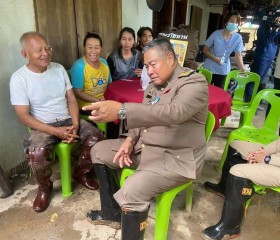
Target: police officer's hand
(257,156)
(104,111)
(67,134)
(123,155)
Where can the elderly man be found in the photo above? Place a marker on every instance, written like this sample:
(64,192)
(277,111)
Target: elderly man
(165,143)
(43,99)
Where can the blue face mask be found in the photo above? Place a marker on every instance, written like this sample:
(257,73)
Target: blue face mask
(232,26)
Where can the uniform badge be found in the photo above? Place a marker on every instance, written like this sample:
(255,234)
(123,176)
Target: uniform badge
(150,93)
(187,73)
(154,100)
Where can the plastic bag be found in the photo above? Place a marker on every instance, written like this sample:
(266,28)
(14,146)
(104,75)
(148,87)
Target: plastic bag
(232,86)
(145,79)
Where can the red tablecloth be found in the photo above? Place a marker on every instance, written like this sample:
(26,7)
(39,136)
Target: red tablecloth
(131,91)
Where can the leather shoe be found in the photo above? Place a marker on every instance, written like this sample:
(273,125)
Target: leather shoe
(87,182)
(42,199)
(214,188)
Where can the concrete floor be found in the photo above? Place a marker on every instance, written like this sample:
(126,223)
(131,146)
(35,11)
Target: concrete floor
(65,219)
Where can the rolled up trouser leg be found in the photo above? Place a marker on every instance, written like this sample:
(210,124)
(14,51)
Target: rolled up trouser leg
(84,170)
(42,171)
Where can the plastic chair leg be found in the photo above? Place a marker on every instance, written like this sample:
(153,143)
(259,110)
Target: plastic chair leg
(242,119)
(189,194)
(223,121)
(163,207)
(224,155)
(63,150)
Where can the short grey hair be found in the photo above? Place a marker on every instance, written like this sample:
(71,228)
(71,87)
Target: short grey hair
(162,45)
(26,36)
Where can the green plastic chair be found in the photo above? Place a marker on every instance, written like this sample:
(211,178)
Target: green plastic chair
(248,132)
(238,103)
(101,126)
(63,151)
(207,74)
(209,126)
(261,190)
(164,200)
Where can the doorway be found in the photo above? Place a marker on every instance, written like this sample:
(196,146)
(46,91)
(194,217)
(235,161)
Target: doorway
(64,23)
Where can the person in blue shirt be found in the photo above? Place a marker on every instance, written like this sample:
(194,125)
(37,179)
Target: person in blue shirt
(90,74)
(268,36)
(219,46)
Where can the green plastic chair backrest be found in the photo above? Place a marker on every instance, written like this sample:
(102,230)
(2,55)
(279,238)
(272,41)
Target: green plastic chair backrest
(243,78)
(209,126)
(207,74)
(101,126)
(270,125)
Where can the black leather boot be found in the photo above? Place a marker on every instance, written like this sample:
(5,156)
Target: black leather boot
(110,213)
(133,225)
(233,158)
(238,191)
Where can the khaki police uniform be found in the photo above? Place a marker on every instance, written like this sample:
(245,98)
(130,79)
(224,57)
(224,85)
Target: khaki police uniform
(169,131)
(260,173)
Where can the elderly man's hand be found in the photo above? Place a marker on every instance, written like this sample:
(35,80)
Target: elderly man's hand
(105,111)
(67,134)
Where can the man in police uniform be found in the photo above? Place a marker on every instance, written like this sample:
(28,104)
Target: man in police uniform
(166,140)
(246,163)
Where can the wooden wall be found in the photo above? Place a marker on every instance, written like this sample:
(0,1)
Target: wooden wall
(65,22)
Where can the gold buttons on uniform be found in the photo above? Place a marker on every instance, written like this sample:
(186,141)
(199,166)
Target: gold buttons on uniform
(143,145)
(145,130)
(178,156)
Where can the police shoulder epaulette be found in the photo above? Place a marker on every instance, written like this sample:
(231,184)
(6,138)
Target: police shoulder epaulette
(187,73)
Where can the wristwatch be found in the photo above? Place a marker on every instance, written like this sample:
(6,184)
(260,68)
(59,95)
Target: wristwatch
(122,112)
(267,159)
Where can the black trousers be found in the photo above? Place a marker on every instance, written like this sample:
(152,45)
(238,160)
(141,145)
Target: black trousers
(218,80)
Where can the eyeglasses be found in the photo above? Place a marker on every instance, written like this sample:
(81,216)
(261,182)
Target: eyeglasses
(48,49)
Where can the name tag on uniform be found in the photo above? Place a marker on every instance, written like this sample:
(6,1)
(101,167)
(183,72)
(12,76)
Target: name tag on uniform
(154,101)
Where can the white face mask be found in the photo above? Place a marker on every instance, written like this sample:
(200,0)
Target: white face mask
(232,26)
